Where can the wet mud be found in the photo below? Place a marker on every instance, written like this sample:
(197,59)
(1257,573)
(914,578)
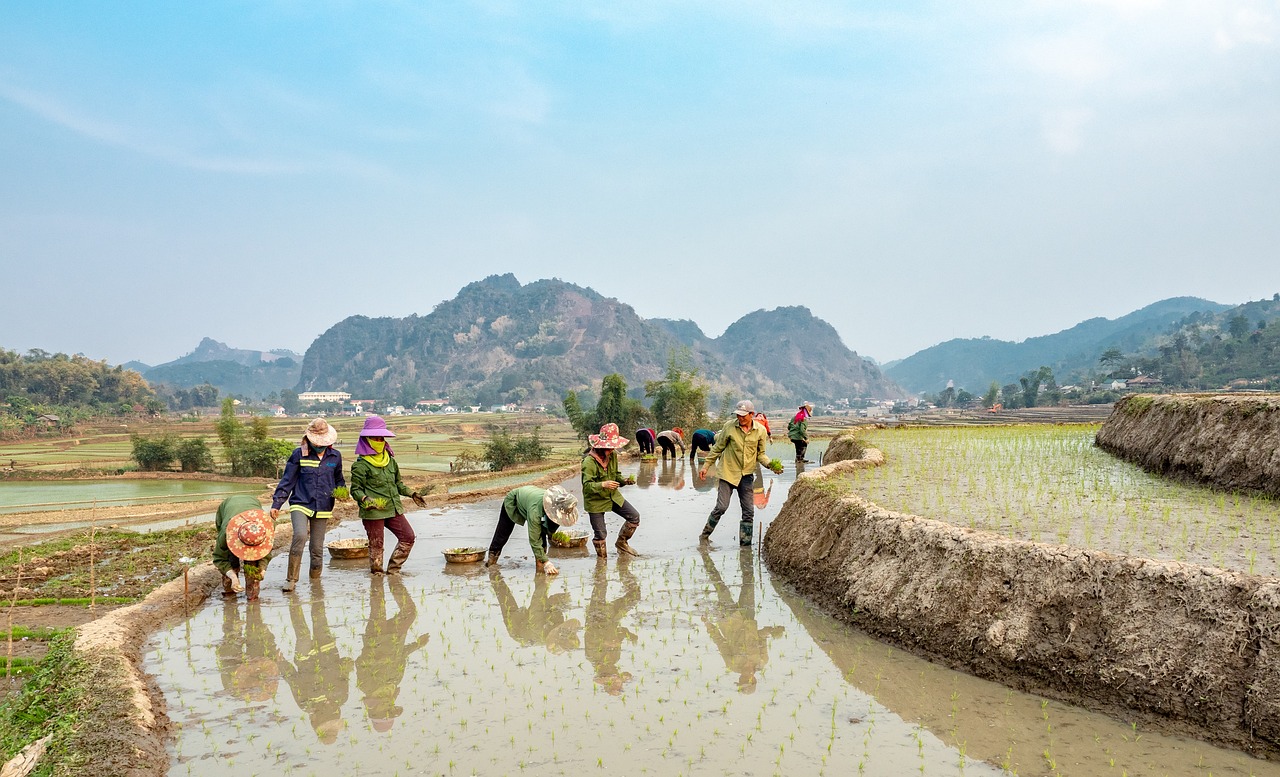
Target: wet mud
(690,659)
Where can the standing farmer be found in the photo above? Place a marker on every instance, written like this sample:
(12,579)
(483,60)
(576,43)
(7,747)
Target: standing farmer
(798,431)
(740,447)
(600,490)
(376,486)
(314,469)
(540,511)
(243,545)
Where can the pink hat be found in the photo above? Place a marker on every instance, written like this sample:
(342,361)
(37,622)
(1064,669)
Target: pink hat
(250,535)
(608,438)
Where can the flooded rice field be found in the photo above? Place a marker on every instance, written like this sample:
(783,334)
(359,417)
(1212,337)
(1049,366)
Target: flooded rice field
(1051,484)
(21,496)
(687,660)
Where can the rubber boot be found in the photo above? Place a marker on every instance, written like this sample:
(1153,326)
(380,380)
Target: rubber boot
(745,530)
(398,557)
(602,548)
(227,590)
(375,561)
(710,527)
(628,529)
(315,572)
(492,560)
(251,589)
(291,577)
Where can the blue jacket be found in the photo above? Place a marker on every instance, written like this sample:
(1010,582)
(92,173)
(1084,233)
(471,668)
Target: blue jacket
(703,438)
(308,482)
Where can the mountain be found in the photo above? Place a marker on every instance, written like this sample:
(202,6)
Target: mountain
(253,374)
(498,340)
(974,363)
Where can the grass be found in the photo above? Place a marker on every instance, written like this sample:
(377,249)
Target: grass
(1051,484)
(50,702)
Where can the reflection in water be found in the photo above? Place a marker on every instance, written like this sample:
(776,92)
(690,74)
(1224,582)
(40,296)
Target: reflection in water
(647,475)
(743,645)
(319,676)
(385,651)
(605,632)
(672,475)
(760,494)
(247,655)
(543,621)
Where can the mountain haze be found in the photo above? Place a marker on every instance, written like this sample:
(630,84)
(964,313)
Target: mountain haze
(253,374)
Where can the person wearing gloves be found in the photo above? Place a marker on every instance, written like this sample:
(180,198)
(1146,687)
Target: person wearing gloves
(798,431)
(601,492)
(542,513)
(313,470)
(669,439)
(739,447)
(243,545)
(376,486)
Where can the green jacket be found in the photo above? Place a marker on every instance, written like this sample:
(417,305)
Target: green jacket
(798,431)
(370,482)
(741,451)
(595,497)
(524,506)
(232,506)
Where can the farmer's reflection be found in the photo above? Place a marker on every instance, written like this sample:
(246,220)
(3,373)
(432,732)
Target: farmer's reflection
(648,474)
(760,494)
(542,622)
(605,632)
(247,656)
(672,474)
(732,625)
(381,664)
(319,676)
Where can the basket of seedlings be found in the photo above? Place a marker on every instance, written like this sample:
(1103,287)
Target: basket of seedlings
(566,540)
(463,555)
(355,547)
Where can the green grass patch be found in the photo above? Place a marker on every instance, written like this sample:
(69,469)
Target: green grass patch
(16,667)
(39,633)
(49,702)
(74,601)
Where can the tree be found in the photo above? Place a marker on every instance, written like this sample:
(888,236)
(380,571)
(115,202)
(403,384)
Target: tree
(1031,383)
(289,401)
(1111,357)
(154,453)
(1238,326)
(677,401)
(194,455)
(577,418)
(227,426)
(992,396)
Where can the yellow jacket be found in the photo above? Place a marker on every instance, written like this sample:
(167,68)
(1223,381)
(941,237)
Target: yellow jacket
(741,451)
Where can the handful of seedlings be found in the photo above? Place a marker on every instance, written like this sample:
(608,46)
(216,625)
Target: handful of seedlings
(775,465)
(377,502)
(341,492)
(629,480)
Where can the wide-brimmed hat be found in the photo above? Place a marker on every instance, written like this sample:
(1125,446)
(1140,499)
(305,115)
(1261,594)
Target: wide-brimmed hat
(745,408)
(806,406)
(250,534)
(374,426)
(608,438)
(560,506)
(321,434)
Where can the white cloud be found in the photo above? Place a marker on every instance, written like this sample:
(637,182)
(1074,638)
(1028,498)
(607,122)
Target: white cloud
(1064,129)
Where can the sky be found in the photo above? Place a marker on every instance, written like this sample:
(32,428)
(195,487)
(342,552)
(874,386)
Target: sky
(910,171)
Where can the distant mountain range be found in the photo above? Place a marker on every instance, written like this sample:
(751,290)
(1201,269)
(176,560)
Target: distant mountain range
(252,374)
(974,363)
(500,341)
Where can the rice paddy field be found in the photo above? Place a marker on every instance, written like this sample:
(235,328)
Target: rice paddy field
(1048,483)
(689,660)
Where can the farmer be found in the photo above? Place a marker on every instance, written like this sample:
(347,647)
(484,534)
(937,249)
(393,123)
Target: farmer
(244,542)
(385,652)
(669,439)
(702,440)
(739,447)
(542,513)
(764,421)
(376,486)
(645,438)
(601,490)
(798,431)
(313,470)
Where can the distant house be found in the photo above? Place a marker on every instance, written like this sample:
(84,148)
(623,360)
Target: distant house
(48,419)
(450,409)
(277,411)
(1119,385)
(311,397)
(1144,381)
(362,405)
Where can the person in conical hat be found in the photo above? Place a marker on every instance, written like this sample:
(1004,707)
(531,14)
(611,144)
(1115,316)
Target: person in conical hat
(313,471)
(601,490)
(245,538)
(377,487)
(542,512)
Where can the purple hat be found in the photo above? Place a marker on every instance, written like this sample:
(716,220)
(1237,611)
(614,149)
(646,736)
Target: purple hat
(374,426)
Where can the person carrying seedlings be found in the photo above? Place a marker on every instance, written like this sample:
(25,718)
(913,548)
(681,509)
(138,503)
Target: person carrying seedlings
(798,431)
(669,439)
(313,471)
(542,513)
(739,448)
(702,440)
(244,542)
(376,486)
(601,490)
(645,438)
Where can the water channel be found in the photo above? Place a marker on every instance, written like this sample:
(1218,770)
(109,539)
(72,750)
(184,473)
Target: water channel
(20,496)
(686,661)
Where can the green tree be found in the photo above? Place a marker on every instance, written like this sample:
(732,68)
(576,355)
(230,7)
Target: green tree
(577,418)
(228,427)
(677,399)
(154,453)
(1238,326)
(194,455)
(1031,383)
(992,396)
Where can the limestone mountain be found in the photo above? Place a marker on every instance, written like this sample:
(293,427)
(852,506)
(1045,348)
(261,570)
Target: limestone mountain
(498,340)
(237,371)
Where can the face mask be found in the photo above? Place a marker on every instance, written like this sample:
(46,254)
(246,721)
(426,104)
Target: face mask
(377,445)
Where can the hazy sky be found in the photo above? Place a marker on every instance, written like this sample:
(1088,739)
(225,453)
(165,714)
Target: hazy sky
(912,172)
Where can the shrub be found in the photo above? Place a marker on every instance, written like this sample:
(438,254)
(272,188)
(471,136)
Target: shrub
(154,453)
(194,455)
(505,450)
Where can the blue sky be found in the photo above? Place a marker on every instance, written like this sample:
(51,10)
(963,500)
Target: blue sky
(911,172)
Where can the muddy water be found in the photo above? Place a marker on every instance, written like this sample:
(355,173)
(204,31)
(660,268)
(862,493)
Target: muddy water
(687,660)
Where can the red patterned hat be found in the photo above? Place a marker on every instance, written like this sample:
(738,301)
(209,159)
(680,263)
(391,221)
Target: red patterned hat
(250,534)
(608,438)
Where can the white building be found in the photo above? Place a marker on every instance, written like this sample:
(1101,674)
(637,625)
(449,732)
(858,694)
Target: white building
(308,397)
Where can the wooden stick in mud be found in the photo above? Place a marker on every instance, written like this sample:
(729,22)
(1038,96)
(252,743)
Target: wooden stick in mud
(13,602)
(93,533)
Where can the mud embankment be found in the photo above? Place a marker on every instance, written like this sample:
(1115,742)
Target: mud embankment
(1194,650)
(1227,441)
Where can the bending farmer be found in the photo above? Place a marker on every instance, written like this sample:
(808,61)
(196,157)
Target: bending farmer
(540,511)
(244,541)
